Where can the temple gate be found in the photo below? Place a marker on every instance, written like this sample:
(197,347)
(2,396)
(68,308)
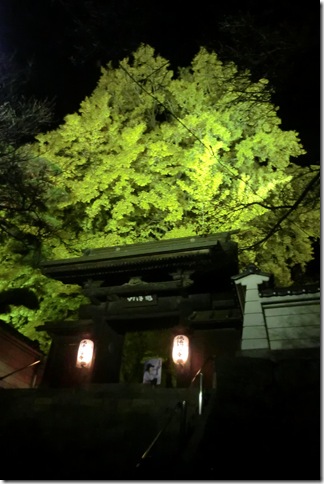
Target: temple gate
(183,285)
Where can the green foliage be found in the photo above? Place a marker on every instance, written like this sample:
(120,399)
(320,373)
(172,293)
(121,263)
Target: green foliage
(154,154)
(57,301)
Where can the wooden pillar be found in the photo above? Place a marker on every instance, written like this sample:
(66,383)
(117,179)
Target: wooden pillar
(109,350)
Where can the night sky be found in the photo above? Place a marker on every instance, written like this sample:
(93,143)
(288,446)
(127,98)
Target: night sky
(62,43)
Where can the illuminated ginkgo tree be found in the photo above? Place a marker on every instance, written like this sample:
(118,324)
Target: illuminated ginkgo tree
(155,154)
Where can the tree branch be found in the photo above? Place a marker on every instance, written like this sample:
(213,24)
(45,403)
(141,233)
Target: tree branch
(277,225)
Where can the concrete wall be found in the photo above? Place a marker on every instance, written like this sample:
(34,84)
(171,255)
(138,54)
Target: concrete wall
(265,424)
(254,333)
(278,322)
(294,322)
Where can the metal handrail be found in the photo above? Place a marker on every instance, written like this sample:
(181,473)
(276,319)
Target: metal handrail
(20,369)
(183,406)
(201,368)
(201,377)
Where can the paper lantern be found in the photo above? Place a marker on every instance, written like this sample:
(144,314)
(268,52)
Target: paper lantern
(180,351)
(85,354)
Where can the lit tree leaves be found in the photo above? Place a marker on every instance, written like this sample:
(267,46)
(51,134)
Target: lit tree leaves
(153,152)
(57,301)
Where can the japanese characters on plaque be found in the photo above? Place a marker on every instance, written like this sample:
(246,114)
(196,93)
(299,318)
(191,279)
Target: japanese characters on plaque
(141,300)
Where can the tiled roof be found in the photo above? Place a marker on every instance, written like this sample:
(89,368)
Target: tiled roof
(157,249)
(267,288)
(183,252)
(250,269)
(290,291)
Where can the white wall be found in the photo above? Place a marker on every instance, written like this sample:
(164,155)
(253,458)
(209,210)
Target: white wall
(278,322)
(293,324)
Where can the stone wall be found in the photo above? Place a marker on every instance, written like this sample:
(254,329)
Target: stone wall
(263,423)
(98,433)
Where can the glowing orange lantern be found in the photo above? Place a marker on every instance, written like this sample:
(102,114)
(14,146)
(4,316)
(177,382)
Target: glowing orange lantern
(180,351)
(85,354)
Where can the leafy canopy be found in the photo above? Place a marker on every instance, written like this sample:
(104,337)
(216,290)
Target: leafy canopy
(57,301)
(154,154)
